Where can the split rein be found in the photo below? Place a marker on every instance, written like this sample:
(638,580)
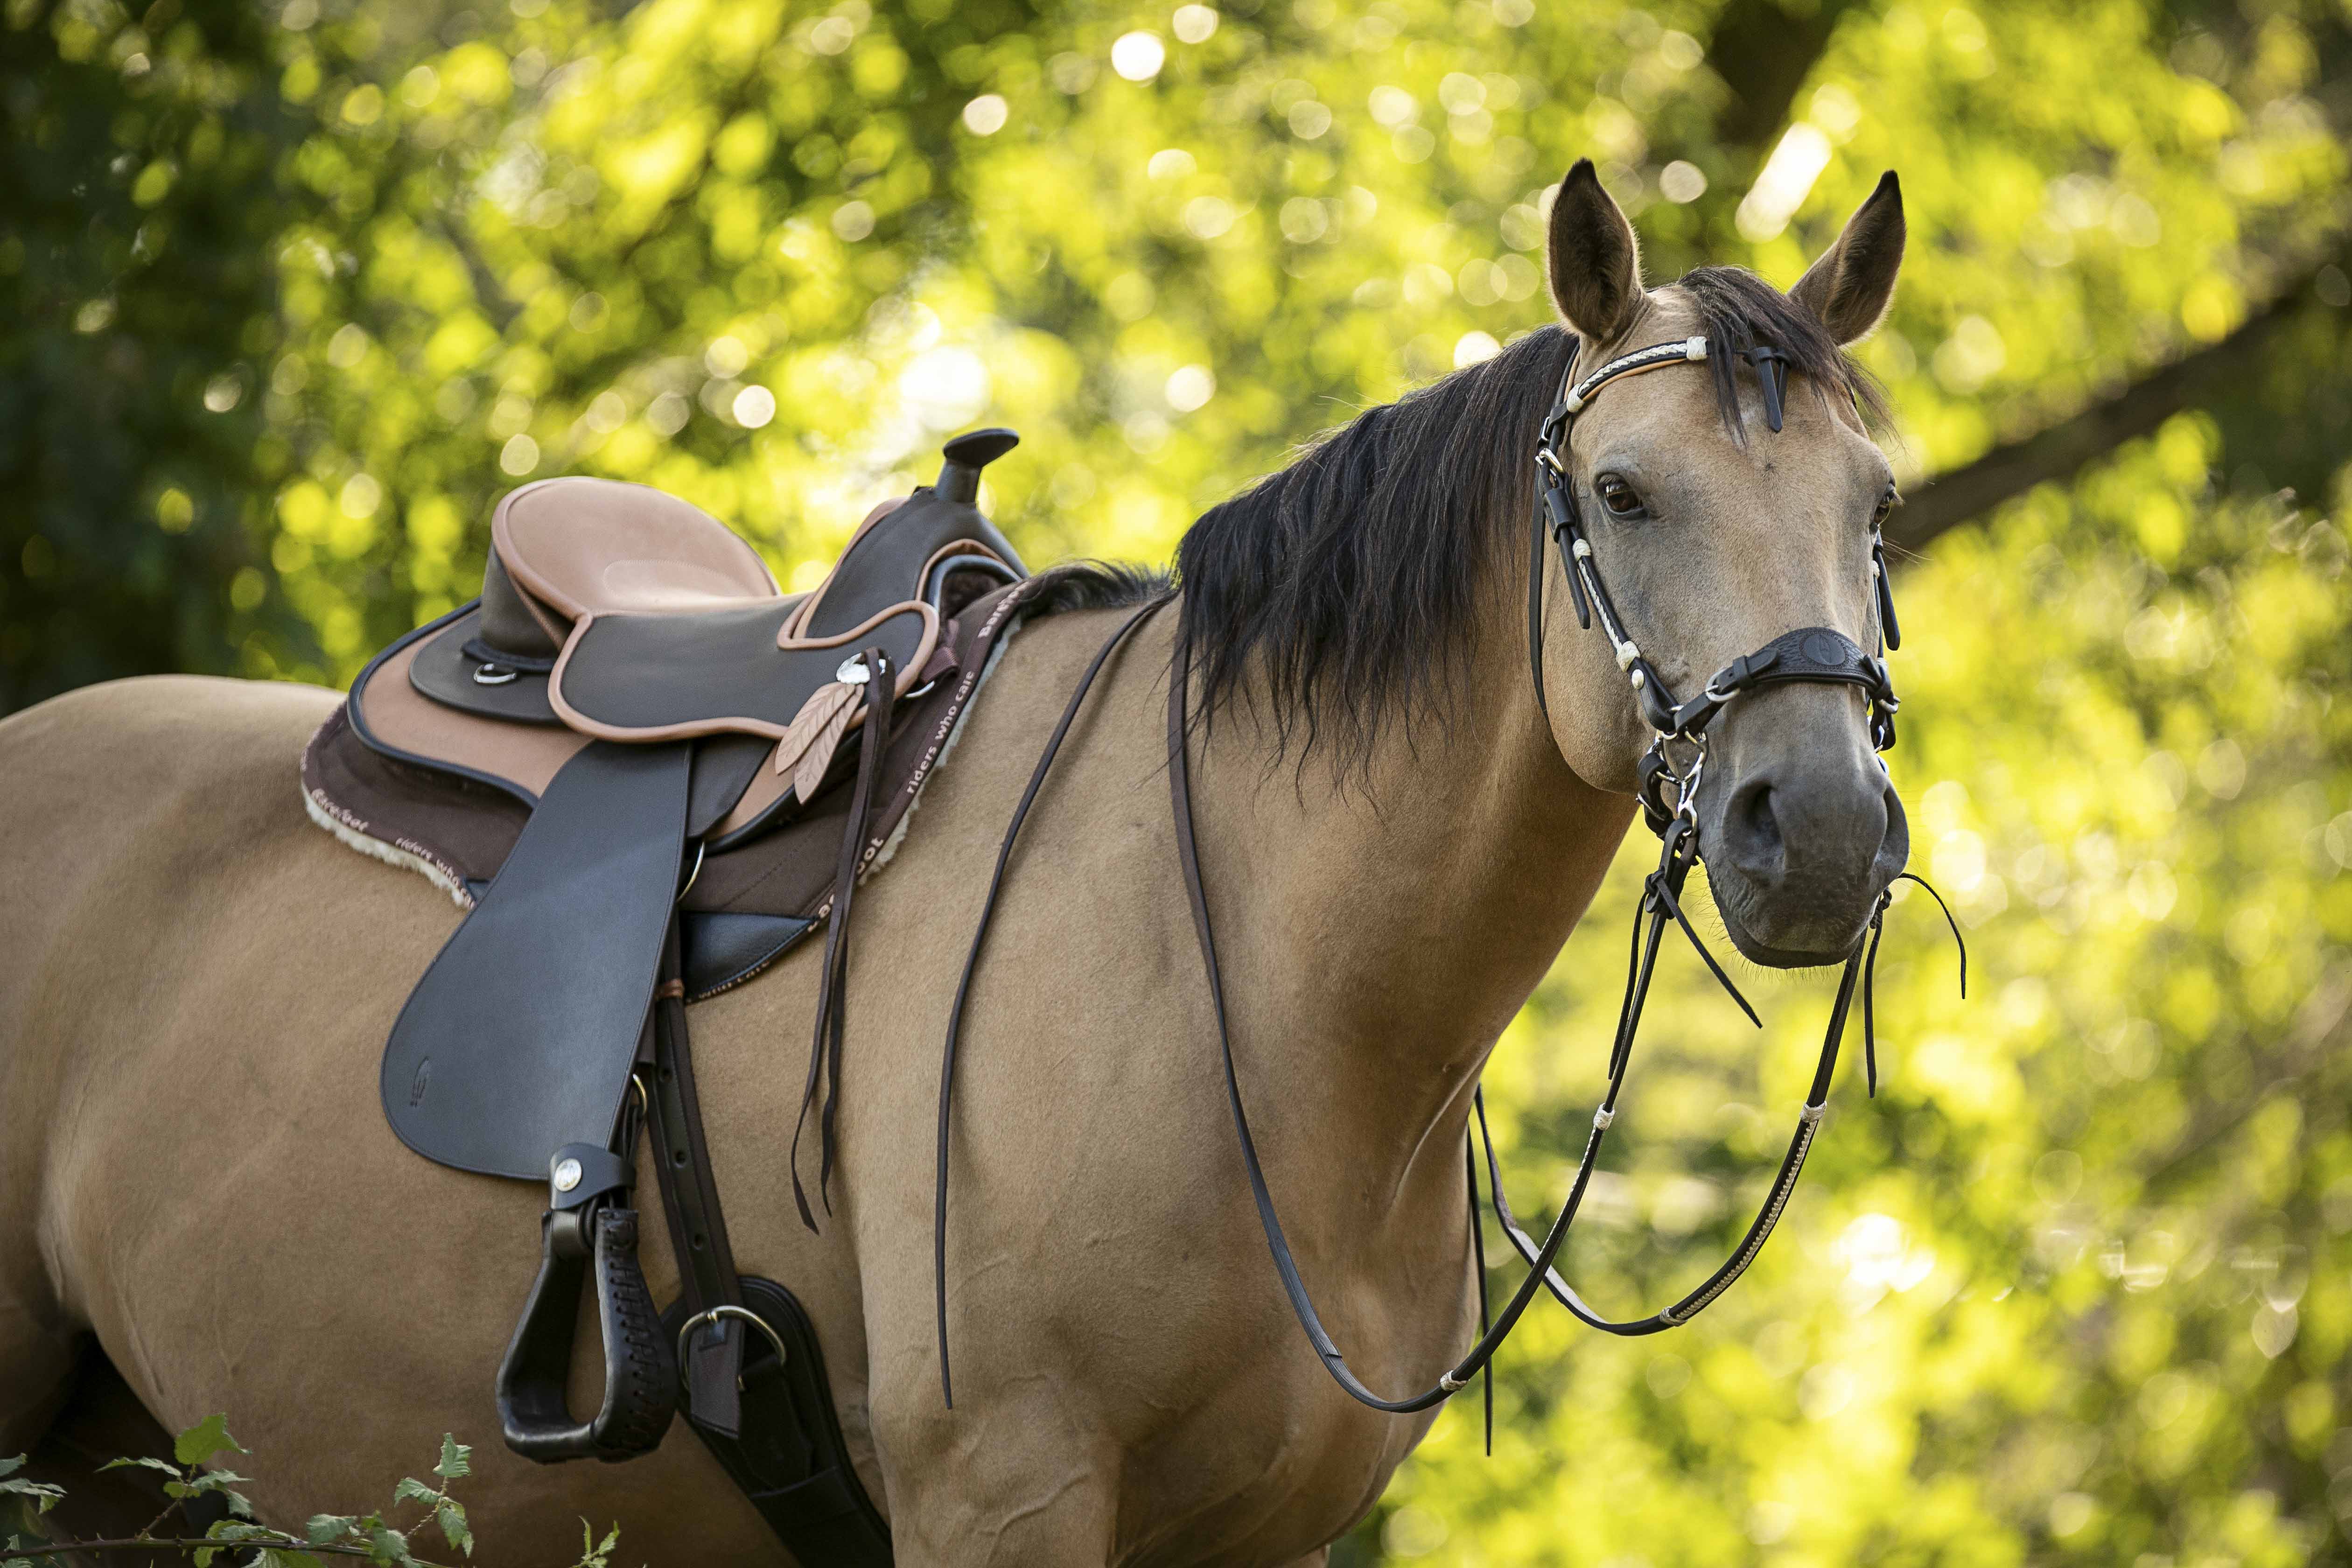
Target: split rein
(1669,797)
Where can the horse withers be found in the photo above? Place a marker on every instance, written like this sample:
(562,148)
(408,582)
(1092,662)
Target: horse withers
(1396,829)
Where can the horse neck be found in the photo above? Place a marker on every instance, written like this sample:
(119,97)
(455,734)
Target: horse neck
(1378,934)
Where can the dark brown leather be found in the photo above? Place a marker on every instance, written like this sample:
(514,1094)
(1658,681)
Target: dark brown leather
(518,1040)
(876,568)
(712,670)
(458,824)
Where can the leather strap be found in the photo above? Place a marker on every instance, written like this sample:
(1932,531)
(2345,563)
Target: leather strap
(1302,1306)
(833,984)
(1661,904)
(971,966)
(698,1227)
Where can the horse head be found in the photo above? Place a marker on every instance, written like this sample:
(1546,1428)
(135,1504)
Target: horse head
(1724,505)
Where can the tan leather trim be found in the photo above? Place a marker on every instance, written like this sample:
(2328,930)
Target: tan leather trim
(588,546)
(399,715)
(802,616)
(906,680)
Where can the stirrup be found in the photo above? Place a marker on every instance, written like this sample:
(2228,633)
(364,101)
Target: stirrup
(587,1222)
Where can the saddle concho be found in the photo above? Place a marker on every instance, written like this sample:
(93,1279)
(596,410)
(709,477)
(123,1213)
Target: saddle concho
(647,773)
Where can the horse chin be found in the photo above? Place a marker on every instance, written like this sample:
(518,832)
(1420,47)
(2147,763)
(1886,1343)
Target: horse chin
(1813,954)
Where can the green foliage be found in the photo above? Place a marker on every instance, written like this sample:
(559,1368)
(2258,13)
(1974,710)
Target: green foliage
(138,226)
(375,1537)
(203,1440)
(596,1553)
(23,1493)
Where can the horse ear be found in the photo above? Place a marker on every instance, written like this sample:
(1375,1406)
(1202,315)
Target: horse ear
(1596,264)
(1852,285)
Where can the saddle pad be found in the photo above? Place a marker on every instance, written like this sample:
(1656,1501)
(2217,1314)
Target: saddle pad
(518,1039)
(428,805)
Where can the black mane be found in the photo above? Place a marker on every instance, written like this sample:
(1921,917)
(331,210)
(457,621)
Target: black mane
(1349,580)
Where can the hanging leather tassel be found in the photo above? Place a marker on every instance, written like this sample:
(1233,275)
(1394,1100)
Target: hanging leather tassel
(814,734)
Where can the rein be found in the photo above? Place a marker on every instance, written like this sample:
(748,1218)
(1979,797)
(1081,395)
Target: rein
(1669,797)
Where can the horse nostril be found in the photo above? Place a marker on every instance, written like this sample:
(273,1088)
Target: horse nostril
(1756,843)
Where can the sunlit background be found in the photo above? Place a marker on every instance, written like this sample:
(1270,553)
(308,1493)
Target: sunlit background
(289,294)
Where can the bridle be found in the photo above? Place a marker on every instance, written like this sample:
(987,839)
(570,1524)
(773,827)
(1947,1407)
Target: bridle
(1819,654)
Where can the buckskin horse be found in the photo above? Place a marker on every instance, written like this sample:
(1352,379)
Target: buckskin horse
(1396,829)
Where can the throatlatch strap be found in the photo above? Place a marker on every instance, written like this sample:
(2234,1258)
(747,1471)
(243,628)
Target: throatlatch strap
(971,966)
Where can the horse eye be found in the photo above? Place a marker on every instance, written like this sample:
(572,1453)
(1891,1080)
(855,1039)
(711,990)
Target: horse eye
(1618,496)
(1885,507)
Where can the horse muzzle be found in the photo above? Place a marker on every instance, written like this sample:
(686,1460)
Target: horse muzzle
(1799,848)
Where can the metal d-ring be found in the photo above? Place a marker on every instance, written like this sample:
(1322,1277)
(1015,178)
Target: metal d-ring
(712,1315)
(1686,780)
(701,849)
(493,675)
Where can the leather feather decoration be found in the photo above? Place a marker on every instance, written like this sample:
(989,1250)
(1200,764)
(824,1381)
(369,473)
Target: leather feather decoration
(809,742)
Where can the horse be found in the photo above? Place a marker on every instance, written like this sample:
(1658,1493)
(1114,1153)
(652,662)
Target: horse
(200,1208)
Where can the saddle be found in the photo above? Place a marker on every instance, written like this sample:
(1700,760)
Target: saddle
(646,772)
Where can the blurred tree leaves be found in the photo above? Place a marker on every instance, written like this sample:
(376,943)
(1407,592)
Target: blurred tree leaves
(298,293)
(140,216)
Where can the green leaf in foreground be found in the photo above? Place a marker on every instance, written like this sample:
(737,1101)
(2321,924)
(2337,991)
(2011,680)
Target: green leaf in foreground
(40,1494)
(596,1553)
(457,1459)
(326,1527)
(450,1514)
(387,1546)
(203,1440)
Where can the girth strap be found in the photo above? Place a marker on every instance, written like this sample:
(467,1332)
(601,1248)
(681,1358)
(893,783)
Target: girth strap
(712,1358)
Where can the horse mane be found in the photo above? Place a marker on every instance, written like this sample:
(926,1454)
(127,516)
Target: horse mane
(1348,582)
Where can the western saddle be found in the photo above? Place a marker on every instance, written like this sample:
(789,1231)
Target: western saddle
(647,773)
